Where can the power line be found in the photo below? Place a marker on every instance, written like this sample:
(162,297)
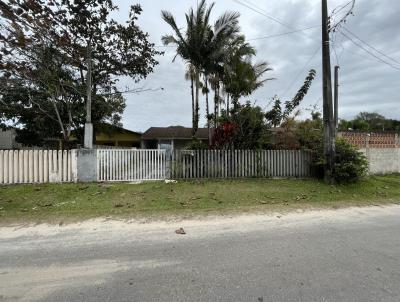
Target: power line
(263,37)
(370,46)
(338,9)
(283,34)
(301,72)
(334,27)
(334,43)
(262,12)
(369,52)
(344,49)
(133,91)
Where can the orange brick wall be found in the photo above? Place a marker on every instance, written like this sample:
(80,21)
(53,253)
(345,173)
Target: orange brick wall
(373,140)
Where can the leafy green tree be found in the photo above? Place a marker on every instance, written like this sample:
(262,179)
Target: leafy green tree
(370,121)
(276,115)
(250,129)
(310,132)
(43,49)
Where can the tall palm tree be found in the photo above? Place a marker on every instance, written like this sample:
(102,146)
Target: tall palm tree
(190,76)
(201,46)
(224,30)
(190,45)
(241,76)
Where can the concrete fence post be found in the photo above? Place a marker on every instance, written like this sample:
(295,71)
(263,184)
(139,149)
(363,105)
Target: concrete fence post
(86,165)
(367,147)
(74,165)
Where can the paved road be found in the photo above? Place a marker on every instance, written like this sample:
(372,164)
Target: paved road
(346,255)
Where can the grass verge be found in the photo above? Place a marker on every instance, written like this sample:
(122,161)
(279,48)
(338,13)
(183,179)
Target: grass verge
(57,203)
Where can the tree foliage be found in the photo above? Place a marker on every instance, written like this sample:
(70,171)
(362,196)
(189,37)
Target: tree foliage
(276,115)
(370,121)
(350,164)
(43,47)
(195,44)
(217,56)
(244,128)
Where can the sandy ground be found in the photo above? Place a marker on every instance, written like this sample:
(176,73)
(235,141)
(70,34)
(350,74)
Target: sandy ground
(209,224)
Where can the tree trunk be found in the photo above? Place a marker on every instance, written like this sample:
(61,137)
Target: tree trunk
(216,99)
(70,121)
(59,119)
(235,103)
(193,106)
(208,111)
(196,125)
(218,104)
(227,104)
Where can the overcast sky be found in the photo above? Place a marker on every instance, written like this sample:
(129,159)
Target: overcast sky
(367,84)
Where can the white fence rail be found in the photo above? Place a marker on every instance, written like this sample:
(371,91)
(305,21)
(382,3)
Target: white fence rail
(43,166)
(241,164)
(36,166)
(131,165)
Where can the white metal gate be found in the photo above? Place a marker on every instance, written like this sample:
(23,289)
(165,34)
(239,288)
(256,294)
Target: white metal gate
(131,165)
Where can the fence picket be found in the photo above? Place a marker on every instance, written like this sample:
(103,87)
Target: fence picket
(131,165)
(33,166)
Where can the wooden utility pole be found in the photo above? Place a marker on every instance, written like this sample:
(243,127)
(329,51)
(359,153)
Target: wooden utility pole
(329,124)
(88,139)
(336,96)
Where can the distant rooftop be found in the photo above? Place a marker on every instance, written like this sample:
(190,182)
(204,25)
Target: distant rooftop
(177,132)
(110,129)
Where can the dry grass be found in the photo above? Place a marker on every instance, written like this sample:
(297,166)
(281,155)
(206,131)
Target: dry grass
(74,202)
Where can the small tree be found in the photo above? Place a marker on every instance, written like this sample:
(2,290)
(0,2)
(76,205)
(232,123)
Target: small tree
(244,128)
(276,115)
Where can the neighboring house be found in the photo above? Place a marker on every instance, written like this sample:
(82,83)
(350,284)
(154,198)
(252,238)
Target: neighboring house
(7,139)
(171,138)
(108,135)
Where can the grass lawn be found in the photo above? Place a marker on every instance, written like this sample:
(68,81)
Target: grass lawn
(57,203)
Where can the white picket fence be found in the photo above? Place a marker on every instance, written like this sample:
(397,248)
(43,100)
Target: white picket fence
(36,166)
(111,165)
(131,165)
(241,164)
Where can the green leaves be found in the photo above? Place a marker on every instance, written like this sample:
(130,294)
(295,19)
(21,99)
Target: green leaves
(295,102)
(275,116)
(44,51)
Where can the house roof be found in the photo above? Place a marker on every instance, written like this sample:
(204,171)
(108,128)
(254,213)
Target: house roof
(106,128)
(177,132)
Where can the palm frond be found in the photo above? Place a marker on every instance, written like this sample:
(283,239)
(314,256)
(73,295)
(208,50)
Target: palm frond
(169,39)
(170,20)
(228,23)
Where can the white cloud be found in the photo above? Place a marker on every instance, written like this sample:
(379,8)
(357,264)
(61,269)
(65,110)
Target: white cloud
(366,84)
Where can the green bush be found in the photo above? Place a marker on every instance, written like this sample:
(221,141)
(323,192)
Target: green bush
(196,144)
(350,164)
